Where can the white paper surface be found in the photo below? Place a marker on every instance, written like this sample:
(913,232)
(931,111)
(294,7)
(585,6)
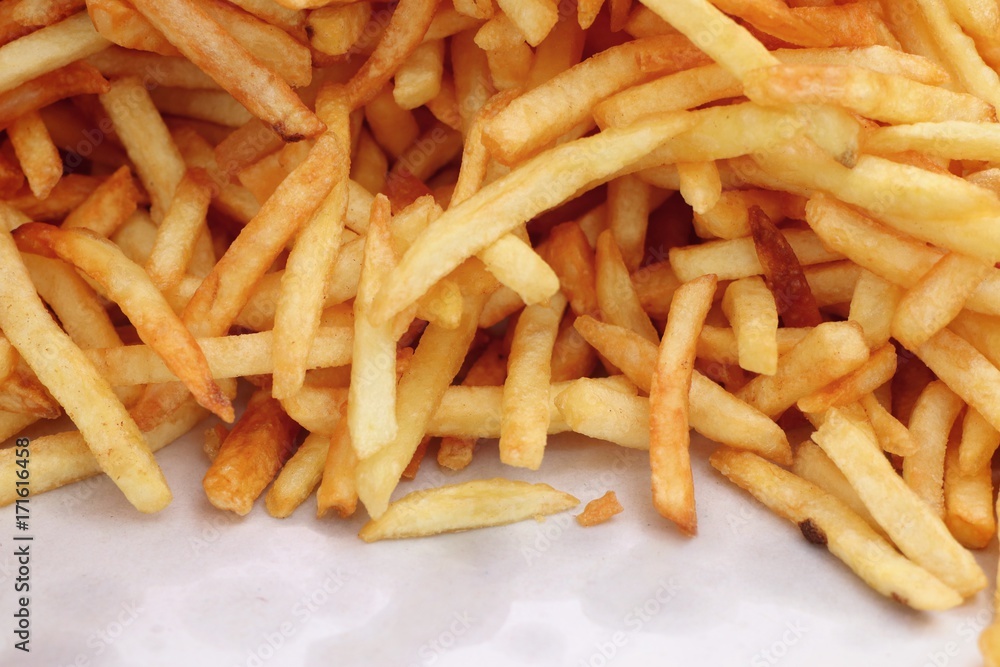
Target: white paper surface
(193,586)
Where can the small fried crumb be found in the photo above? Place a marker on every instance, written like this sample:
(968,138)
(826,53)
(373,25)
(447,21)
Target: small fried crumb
(599,510)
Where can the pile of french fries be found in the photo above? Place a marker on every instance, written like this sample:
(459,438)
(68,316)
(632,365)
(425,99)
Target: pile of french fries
(412,226)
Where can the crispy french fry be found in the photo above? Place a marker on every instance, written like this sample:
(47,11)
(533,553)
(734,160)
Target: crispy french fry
(298,477)
(115,440)
(508,202)
(826,520)
(907,520)
(854,386)
(616,297)
(130,287)
(524,422)
(39,157)
(933,416)
(828,352)
(178,234)
(257,87)
(968,502)
(750,308)
(251,455)
(669,437)
(51,47)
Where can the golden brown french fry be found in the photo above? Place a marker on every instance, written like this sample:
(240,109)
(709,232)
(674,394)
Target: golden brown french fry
(256,86)
(298,477)
(456,507)
(966,372)
(338,489)
(525,420)
(39,157)
(107,207)
(616,296)
(737,258)
(401,37)
(933,415)
(828,352)
(979,442)
(628,210)
(371,411)
(227,356)
(907,520)
(117,444)
(140,127)
(968,502)
(251,455)
(435,363)
(937,298)
(854,386)
(750,308)
(873,305)
(826,520)
(130,287)
(47,49)
(178,233)
(317,246)
(521,129)
(669,436)
(505,204)
(813,465)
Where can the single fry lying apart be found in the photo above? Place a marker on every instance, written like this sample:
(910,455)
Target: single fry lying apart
(476,504)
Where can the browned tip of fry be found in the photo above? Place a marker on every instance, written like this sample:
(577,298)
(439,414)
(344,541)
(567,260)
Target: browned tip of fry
(685,518)
(218,403)
(35,237)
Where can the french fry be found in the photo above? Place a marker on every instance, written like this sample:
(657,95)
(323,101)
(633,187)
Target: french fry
(211,106)
(298,477)
(933,416)
(907,520)
(669,438)
(573,260)
(371,412)
(317,246)
(826,520)
(336,29)
(873,305)
(616,296)
(737,258)
(729,44)
(108,206)
(219,55)
(182,224)
(418,80)
(892,436)
(227,357)
(871,94)
(828,352)
(854,386)
(783,272)
(813,465)
(508,202)
(628,216)
(47,49)
(86,397)
(978,444)
(456,507)
(39,157)
(338,489)
(966,372)
(130,287)
(140,127)
(119,22)
(700,184)
(937,298)
(251,455)
(968,502)
(435,363)
(750,308)
(525,416)
(520,131)
(402,36)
